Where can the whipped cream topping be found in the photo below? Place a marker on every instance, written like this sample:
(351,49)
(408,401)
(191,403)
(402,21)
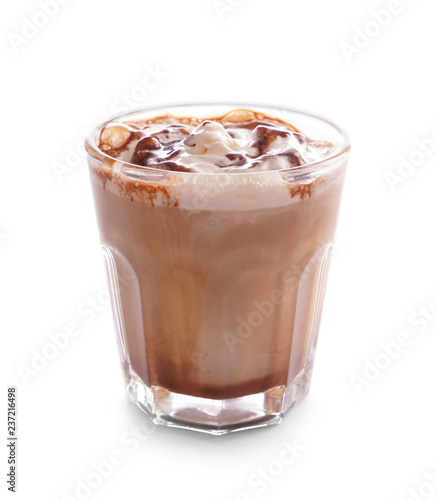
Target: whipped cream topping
(236,142)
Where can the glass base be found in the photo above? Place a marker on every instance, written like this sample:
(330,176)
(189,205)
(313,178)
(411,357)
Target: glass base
(218,416)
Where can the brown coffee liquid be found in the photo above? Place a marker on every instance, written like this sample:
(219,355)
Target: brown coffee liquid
(216,301)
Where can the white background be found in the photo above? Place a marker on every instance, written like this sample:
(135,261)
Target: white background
(378,442)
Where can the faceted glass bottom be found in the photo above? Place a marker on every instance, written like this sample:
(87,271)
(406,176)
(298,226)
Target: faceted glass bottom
(218,416)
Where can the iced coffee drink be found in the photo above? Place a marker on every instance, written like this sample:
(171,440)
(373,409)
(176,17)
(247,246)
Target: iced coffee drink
(216,224)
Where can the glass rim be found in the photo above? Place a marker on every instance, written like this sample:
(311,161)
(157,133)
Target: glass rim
(95,152)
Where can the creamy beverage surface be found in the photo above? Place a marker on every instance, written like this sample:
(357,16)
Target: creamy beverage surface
(236,142)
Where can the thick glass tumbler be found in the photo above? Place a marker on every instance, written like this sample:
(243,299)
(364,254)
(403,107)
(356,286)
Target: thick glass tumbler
(217,279)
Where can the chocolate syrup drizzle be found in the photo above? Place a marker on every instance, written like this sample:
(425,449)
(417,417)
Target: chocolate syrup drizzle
(160,148)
